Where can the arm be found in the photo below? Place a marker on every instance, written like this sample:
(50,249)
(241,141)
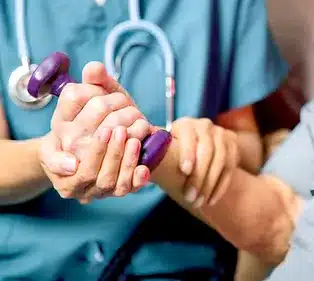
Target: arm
(257,213)
(23,179)
(251,205)
(274,126)
(21,175)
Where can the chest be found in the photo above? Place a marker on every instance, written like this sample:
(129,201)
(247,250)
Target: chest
(80,30)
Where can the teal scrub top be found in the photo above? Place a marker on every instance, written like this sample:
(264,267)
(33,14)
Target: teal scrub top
(225,58)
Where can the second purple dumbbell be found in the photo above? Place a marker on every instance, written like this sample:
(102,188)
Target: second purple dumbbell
(52,75)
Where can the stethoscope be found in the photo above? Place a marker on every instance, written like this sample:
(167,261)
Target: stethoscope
(20,76)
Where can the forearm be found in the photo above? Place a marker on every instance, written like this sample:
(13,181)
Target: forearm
(21,175)
(250,215)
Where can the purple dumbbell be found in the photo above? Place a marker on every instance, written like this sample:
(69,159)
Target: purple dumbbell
(51,76)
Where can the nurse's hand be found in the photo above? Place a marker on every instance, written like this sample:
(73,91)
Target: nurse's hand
(93,148)
(208,155)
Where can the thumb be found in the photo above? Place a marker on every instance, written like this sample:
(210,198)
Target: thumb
(95,73)
(55,160)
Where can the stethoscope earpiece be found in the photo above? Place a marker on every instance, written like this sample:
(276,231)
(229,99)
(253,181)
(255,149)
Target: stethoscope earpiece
(18,80)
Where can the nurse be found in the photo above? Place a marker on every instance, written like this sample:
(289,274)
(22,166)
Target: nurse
(49,238)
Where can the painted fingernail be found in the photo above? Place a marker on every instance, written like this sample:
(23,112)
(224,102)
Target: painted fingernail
(199,202)
(187,167)
(190,194)
(105,135)
(69,164)
(144,175)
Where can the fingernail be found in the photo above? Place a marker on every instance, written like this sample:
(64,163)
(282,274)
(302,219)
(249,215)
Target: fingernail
(69,164)
(199,202)
(213,201)
(105,135)
(187,167)
(190,194)
(144,175)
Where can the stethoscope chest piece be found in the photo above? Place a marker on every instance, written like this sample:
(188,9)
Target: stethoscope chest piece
(18,92)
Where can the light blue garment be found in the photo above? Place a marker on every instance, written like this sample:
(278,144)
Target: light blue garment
(293,163)
(298,263)
(224,58)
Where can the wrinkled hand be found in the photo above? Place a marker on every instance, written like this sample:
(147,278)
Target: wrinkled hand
(93,148)
(208,155)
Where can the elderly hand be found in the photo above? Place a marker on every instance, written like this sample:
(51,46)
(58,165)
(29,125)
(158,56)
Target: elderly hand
(208,155)
(93,148)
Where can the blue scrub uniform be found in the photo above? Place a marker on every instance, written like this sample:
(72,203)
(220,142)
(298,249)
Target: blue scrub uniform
(224,58)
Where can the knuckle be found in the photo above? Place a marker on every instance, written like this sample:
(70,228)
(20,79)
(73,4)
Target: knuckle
(100,193)
(71,92)
(98,105)
(113,119)
(218,132)
(69,143)
(133,111)
(122,189)
(122,98)
(106,183)
(206,124)
(180,122)
(184,120)
(139,129)
(86,178)
(66,193)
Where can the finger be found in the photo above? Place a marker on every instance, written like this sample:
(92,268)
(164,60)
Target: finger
(90,165)
(95,73)
(94,192)
(233,151)
(123,117)
(225,179)
(218,163)
(139,129)
(96,110)
(85,201)
(72,100)
(195,181)
(221,188)
(128,165)
(54,159)
(141,177)
(184,131)
(108,175)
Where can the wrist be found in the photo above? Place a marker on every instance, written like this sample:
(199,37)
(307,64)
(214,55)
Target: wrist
(36,147)
(275,241)
(22,159)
